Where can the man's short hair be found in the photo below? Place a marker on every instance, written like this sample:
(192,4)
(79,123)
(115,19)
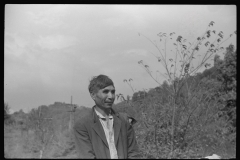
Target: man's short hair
(99,82)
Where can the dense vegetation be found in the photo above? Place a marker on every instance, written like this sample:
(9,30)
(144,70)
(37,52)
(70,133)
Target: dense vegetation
(190,114)
(205,119)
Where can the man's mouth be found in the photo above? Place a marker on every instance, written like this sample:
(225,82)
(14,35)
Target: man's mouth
(109,102)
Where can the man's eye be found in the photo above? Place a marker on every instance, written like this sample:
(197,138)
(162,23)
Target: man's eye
(105,91)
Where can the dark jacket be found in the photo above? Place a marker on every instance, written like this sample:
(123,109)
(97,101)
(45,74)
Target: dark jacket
(91,141)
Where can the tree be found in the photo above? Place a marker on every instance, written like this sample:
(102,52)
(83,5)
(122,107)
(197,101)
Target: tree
(228,68)
(187,98)
(227,71)
(43,129)
(8,118)
(182,88)
(6,111)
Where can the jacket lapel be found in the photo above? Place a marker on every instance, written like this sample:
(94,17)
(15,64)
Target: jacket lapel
(97,126)
(117,127)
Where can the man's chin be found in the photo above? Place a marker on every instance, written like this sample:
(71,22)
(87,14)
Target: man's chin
(107,105)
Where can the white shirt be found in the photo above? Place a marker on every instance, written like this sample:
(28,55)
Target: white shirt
(107,124)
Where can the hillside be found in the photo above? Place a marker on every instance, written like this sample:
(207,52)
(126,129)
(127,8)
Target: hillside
(197,120)
(21,140)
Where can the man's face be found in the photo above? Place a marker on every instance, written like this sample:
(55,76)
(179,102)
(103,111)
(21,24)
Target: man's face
(105,97)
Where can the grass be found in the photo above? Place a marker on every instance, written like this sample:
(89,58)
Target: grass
(18,145)
(14,143)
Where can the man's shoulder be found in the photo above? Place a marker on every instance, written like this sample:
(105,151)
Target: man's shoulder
(85,118)
(127,118)
(123,115)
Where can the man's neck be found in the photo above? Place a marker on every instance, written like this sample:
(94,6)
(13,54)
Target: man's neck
(104,112)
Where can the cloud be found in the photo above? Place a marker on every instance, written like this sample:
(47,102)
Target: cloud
(56,41)
(130,53)
(29,60)
(51,17)
(136,52)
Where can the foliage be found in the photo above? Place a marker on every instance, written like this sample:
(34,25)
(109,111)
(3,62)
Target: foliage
(6,111)
(42,127)
(139,95)
(200,127)
(190,111)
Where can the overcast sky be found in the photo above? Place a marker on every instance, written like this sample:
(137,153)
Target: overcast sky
(52,51)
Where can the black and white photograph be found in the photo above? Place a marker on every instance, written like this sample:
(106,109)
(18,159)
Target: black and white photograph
(120,81)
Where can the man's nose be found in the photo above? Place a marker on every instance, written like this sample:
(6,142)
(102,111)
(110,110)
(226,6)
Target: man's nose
(110,95)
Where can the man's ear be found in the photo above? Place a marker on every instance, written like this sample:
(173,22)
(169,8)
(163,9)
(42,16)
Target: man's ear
(93,95)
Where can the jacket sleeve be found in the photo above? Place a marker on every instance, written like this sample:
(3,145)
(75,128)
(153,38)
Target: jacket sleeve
(82,141)
(133,151)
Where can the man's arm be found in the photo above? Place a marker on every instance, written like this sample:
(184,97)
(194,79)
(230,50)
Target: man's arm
(82,141)
(133,151)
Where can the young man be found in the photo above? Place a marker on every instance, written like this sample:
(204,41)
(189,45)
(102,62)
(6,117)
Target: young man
(102,132)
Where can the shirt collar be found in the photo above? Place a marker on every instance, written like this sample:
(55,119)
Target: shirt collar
(101,116)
